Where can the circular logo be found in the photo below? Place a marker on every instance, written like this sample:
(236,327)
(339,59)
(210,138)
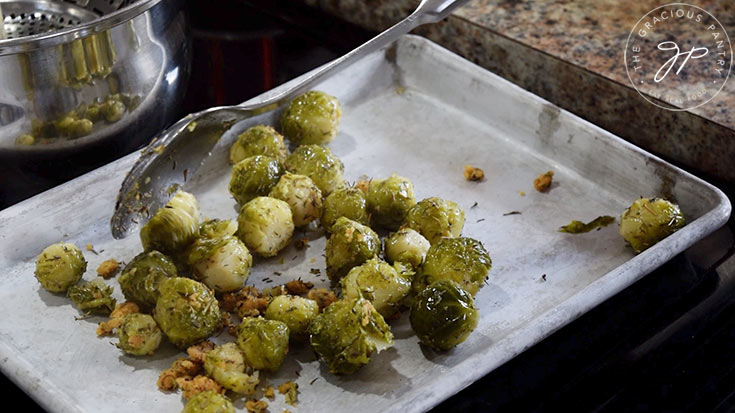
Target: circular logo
(678,56)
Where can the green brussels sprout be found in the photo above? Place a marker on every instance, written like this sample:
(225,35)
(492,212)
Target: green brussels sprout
(347,333)
(226,365)
(264,343)
(389,200)
(406,245)
(265,225)
(443,315)
(379,282)
(648,221)
(463,260)
(140,278)
(186,311)
(60,266)
(311,118)
(93,297)
(350,245)
(296,312)
(253,177)
(139,334)
(302,195)
(436,218)
(345,202)
(215,228)
(173,227)
(259,140)
(112,110)
(319,164)
(222,263)
(209,401)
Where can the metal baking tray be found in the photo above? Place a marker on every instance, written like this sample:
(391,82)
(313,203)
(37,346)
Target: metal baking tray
(420,111)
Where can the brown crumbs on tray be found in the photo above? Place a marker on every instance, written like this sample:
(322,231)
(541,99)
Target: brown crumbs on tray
(472,173)
(301,243)
(291,390)
(260,406)
(121,310)
(298,287)
(323,297)
(269,392)
(543,182)
(108,268)
(190,387)
(196,352)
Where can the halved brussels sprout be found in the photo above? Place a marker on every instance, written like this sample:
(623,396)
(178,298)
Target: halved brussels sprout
(443,315)
(463,260)
(319,164)
(264,343)
(139,334)
(648,221)
(350,245)
(226,365)
(347,333)
(258,140)
(302,195)
(296,312)
(379,282)
(311,118)
(253,177)
(60,266)
(389,200)
(222,263)
(406,245)
(265,225)
(215,228)
(209,401)
(140,278)
(93,297)
(345,202)
(186,311)
(173,227)
(436,218)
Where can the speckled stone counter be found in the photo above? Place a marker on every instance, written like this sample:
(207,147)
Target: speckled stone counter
(571,53)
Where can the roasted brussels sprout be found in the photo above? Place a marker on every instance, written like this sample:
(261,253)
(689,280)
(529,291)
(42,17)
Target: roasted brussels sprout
(345,202)
(209,401)
(173,227)
(186,311)
(296,312)
(60,266)
(265,225)
(443,315)
(253,177)
(347,333)
(93,297)
(378,282)
(389,200)
(648,221)
(215,228)
(350,245)
(406,245)
(139,334)
(226,365)
(436,218)
(140,278)
(302,195)
(264,343)
(463,260)
(319,164)
(259,140)
(311,118)
(222,263)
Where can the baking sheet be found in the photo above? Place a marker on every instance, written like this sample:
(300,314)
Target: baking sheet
(422,112)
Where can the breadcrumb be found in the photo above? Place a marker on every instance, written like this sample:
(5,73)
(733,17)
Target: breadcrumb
(301,243)
(298,287)
(190,387)
(108,268)
(291,390)
(196,352)
(323,297)
(260,406)
(363,184)
(472,173)
(246,302)
(182,367)
(121,310)
(269,392)
(543,182)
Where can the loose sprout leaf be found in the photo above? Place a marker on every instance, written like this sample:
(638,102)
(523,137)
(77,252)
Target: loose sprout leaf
(579,227)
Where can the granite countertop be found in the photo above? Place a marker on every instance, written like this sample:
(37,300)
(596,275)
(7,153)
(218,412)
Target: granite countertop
(571,52)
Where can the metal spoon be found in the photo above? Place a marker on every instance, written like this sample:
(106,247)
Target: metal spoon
(181,149)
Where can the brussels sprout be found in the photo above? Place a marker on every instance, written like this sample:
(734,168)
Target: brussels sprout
(209,401)
(302,195)
(265,225)
(389,200)
(345,202)
(463,260)
(222,263)
(259,140)
(648,221)
(436,218)
(264,343)
(319,164)
(112,110)
(173,227)
(186,311)
(253,177)
(139,334)
(346,334)
(60,266)
(93,297)
(226,365)
(140,278)
(311,118)
(378,282)
(406,245)
(296,312)
(443,315)
(350,245)
(215,228)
